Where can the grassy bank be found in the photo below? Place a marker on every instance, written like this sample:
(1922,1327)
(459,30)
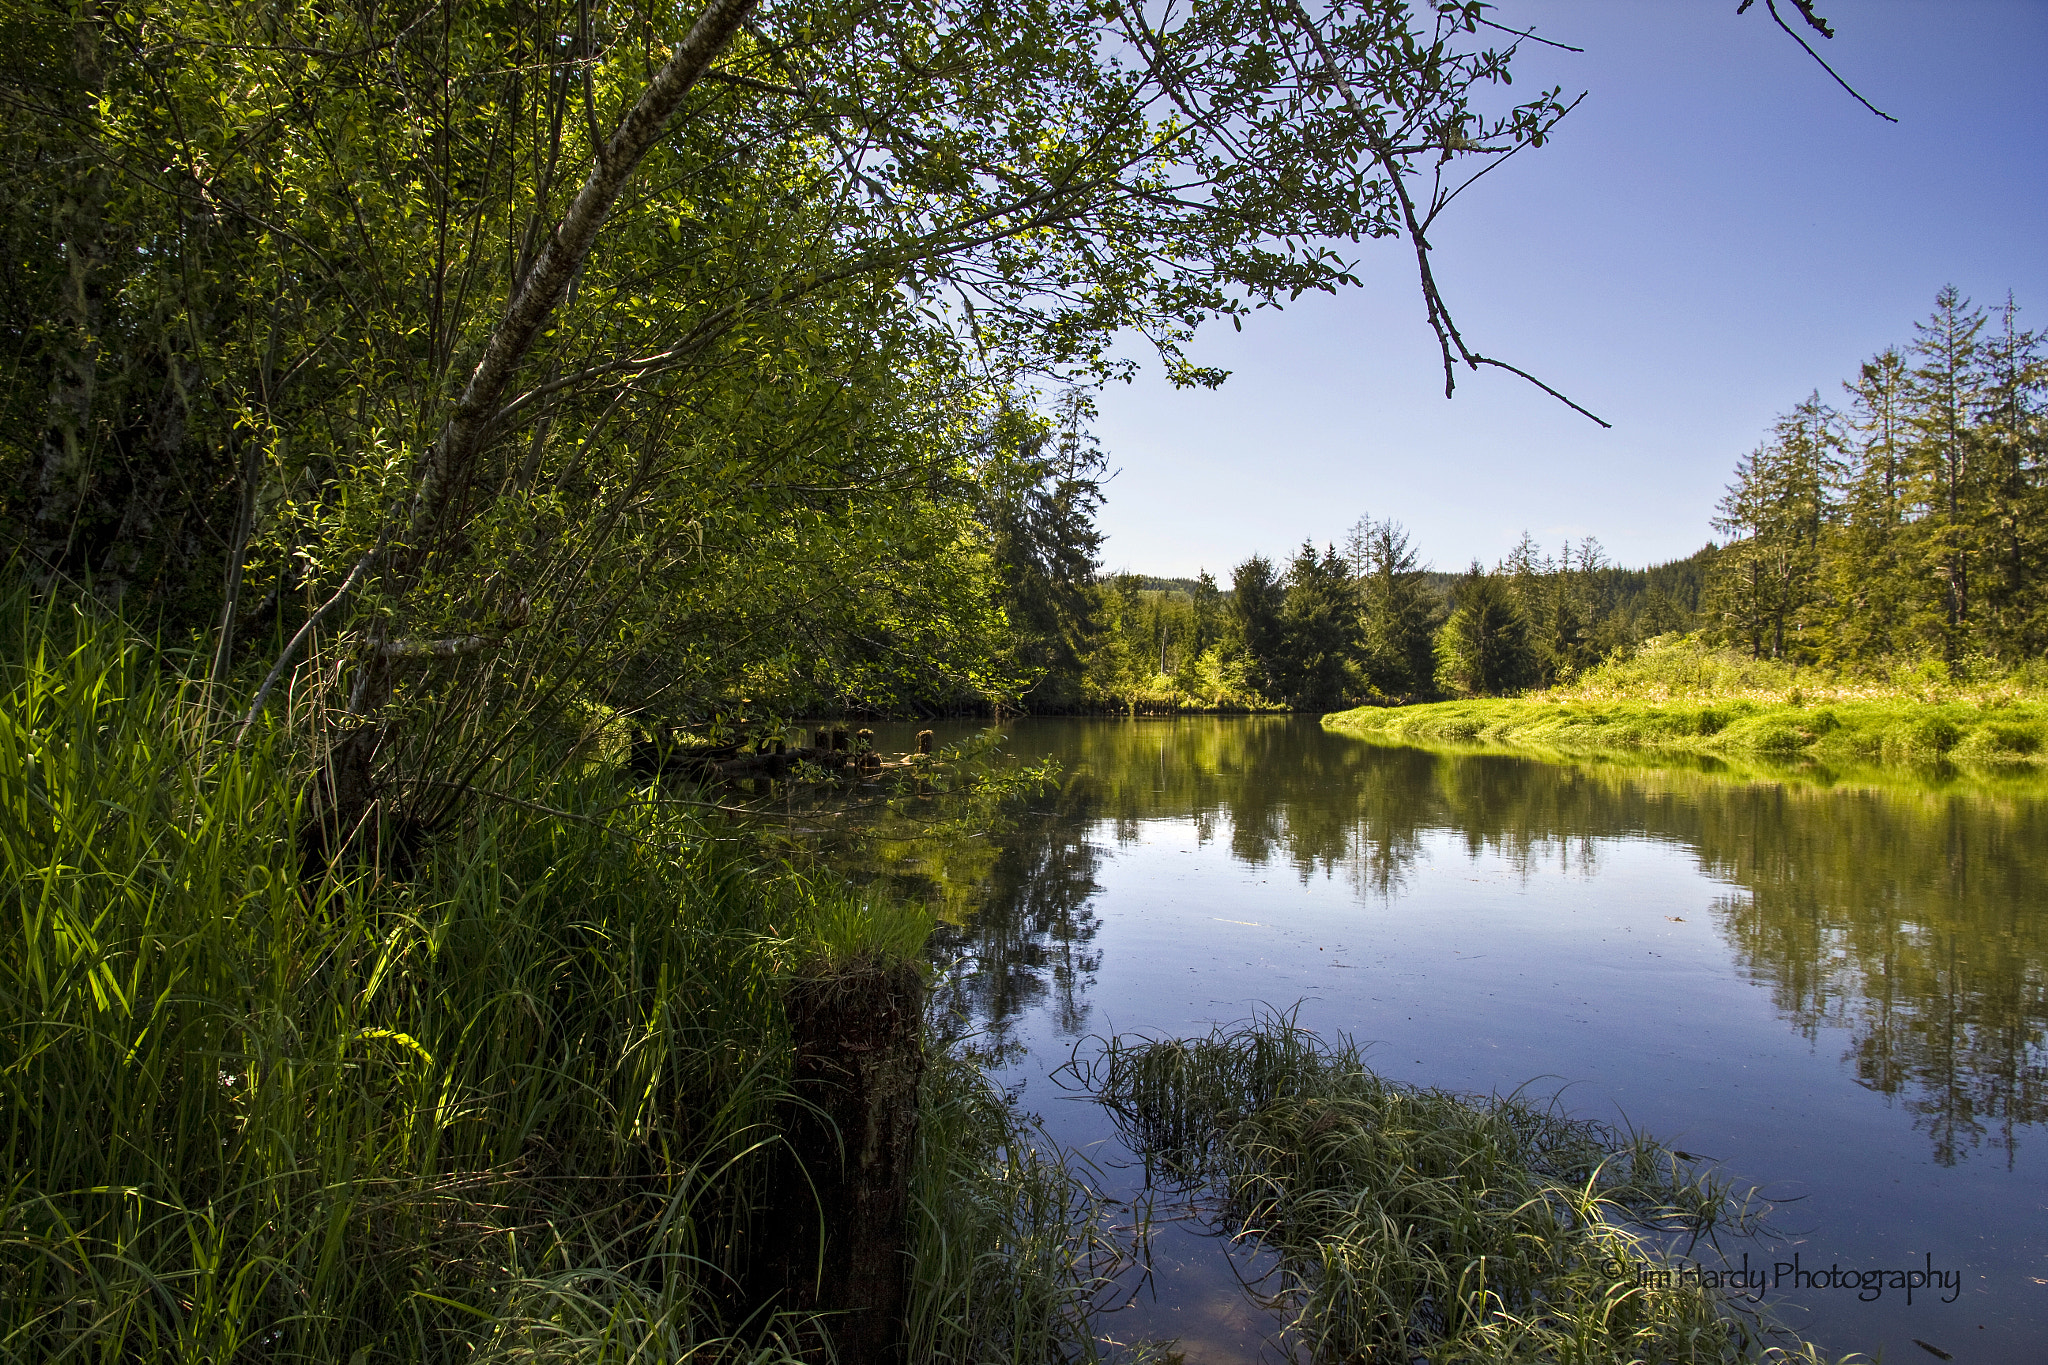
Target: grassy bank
(1686,699)
(513,1103)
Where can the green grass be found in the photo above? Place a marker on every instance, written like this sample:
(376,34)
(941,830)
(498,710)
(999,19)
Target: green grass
(514,1105)
(1420,1224)
(1684,699)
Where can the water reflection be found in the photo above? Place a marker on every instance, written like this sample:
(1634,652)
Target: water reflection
(1907,921)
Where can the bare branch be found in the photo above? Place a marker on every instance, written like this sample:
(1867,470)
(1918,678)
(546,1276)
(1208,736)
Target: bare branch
(1531,33)
(1820,26)
(1447,337)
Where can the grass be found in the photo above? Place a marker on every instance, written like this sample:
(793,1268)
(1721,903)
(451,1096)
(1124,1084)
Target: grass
(513,1106)
(1679,697)
(1419,1224)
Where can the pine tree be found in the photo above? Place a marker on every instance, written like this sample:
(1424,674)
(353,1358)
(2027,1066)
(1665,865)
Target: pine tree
(1397,651)
(1319,630)
(2011,445)
(1255,601)
(1766,592)
(1868,612)
(1483,649)
(1945,392)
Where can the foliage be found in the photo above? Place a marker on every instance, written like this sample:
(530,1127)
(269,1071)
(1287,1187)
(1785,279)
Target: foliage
(463,372)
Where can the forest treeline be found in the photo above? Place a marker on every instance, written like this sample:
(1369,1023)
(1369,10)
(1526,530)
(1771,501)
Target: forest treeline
(1908,526)
(1362,623)
(1910,520)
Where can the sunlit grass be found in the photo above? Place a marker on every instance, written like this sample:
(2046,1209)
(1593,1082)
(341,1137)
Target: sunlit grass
(1686,698)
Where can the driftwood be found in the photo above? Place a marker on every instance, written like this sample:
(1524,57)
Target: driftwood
(831,750)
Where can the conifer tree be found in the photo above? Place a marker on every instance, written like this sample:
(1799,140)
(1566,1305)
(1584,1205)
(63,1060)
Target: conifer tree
(1396,614)
(1483,649)
(1766,591)
(1945,392)
(1868,595)
(1255,601)
(2011,445)
(1319,629)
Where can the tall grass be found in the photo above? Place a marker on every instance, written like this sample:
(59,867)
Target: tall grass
(1683,668)
(513,1106)
(1418,1224)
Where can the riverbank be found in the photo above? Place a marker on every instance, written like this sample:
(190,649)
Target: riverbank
(2006,737)
(1679,697)
(538,1092)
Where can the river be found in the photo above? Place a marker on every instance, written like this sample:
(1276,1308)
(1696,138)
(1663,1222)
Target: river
(1837,992)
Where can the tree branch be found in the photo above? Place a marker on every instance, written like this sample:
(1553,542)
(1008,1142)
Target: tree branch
(567,247)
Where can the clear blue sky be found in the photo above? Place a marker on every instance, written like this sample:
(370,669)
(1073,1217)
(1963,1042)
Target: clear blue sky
(1718,230)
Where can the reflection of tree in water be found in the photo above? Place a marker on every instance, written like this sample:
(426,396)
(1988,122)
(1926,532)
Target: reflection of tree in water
(1027,943)
(1905,918)
(1909,919)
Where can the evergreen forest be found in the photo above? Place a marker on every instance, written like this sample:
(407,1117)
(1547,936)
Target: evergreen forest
(1905,523)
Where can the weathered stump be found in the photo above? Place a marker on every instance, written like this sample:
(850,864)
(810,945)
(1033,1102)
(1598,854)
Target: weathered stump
(833,1236)
(924,741)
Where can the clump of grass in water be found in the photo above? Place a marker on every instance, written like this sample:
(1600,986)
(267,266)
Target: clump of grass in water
(1419,1224)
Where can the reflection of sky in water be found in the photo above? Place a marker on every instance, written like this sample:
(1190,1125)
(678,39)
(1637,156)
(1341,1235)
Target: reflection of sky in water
(1840,995)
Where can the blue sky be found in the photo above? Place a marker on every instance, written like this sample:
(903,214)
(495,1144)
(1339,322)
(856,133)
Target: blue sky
(1717,231)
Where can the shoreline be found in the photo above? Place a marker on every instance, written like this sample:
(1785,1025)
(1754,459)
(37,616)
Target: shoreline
(2003,738)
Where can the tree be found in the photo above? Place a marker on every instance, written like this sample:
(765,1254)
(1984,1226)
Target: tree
(1944,392)
(1397,625)
(452,354)
(1318,631)
(1766,587)
(2012,443)
(1868,611)
(1483,648)
(1042,485)
(1256,598)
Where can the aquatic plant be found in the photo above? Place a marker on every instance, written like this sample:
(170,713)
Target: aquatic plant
(1414,1223)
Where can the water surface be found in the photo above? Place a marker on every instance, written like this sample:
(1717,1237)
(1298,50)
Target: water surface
(1838,992)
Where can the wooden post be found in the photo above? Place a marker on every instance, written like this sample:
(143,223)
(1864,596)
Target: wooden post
(834,1230)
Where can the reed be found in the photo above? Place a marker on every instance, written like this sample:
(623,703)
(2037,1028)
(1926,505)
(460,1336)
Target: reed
(1417,1224)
